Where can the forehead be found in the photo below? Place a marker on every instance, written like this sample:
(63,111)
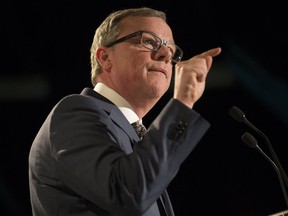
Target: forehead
(153,24)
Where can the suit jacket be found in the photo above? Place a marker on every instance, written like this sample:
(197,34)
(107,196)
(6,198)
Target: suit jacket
(87,160)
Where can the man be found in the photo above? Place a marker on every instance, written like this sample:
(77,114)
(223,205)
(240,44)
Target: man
(87,159)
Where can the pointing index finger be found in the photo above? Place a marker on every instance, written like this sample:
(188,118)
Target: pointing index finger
(212,52)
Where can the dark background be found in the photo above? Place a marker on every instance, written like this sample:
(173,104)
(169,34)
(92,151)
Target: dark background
(45,55)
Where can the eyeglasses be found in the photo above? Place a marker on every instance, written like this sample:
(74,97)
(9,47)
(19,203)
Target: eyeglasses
(153,42)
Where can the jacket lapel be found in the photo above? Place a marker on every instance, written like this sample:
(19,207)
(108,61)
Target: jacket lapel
(114,112)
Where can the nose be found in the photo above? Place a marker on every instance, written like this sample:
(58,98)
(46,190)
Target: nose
(163,54)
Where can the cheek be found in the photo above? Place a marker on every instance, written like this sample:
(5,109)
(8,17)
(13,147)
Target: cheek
(137,67)
(130,61)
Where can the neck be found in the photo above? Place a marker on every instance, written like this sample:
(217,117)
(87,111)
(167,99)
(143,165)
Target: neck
(141,104)
(142,108)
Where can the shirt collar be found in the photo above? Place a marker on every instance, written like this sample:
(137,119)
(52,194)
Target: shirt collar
(118,100)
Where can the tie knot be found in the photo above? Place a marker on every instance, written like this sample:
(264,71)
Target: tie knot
(139,128)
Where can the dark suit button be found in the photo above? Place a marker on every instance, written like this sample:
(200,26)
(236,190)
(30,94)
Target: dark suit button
(182,125)
(177,130)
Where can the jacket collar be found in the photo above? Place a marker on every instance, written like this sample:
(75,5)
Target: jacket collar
(114,112)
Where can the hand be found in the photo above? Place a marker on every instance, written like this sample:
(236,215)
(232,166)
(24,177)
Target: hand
(190,76)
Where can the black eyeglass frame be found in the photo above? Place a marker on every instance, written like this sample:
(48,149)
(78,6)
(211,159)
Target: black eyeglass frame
(134,34)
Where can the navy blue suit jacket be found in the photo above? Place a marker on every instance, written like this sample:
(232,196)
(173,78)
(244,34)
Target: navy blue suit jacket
(87,160)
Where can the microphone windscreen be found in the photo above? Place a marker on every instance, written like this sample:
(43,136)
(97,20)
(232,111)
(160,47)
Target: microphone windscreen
(249,140)
(236,113)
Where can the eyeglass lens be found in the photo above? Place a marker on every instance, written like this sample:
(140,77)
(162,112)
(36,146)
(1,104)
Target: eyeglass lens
(153,43)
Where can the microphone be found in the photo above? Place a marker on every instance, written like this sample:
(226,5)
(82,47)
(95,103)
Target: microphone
(239,116)
(248,139)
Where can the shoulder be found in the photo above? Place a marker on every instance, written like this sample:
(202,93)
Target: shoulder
(83,102)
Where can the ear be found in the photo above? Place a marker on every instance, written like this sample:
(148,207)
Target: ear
(103,58)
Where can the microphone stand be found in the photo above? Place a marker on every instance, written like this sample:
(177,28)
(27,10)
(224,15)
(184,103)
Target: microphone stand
(274,156)
(239,116)
(252,143)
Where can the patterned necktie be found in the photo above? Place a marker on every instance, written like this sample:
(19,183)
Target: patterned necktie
(139,128)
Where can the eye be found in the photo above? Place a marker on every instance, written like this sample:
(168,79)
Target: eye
(150,42)
(172,50)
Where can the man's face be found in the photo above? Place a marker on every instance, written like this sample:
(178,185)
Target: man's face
(136,73)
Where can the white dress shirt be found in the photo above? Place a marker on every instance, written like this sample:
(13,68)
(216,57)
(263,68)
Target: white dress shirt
(119,101)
